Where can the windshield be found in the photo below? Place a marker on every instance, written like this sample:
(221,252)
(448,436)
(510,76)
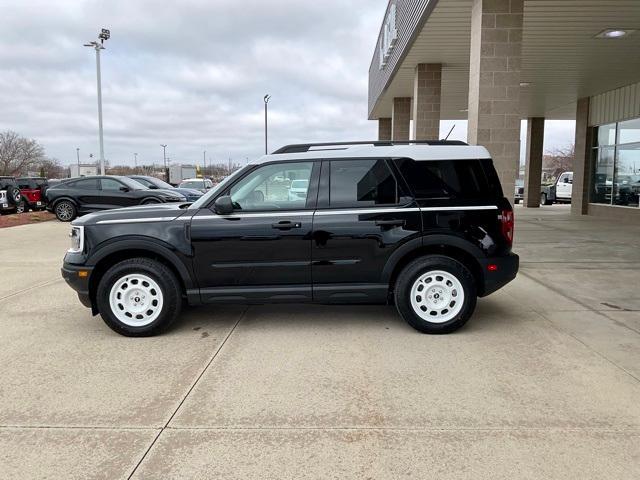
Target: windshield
(192,184)
(147,181)
(132,184)
(206,198)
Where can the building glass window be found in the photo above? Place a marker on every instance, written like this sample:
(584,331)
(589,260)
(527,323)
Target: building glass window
(616,172)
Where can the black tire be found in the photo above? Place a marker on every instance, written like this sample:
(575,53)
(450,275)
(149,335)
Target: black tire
(169,289)
(516,201)
(13,195)
(543,199)
(431,263)
(65,210)
(149,201)
(22,207)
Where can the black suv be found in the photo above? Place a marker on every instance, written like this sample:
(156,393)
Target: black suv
(91,194)
(424,225)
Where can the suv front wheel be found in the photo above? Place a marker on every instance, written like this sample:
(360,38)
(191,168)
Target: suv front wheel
(139,297)
(435,294)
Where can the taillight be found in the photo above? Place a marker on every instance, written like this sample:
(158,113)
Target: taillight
(506,222)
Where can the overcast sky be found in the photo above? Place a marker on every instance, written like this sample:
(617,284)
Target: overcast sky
(191,74)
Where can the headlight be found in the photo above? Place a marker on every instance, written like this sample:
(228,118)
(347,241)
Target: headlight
(77,239)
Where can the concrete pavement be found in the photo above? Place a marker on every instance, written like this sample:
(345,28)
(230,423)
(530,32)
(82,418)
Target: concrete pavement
(542,383)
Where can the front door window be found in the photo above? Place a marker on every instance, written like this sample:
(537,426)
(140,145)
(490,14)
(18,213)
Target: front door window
(282,186)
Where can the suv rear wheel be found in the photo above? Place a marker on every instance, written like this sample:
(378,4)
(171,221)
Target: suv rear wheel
(65,211)
(139,297)
(435,294)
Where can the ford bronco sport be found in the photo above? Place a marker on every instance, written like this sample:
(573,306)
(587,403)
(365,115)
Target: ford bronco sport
(424,225)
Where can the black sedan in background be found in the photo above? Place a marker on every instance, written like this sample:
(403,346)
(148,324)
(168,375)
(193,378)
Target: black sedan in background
(155,183)
(92,194)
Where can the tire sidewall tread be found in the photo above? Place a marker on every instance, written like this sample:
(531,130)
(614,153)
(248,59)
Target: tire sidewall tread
(169,284)
(417,267)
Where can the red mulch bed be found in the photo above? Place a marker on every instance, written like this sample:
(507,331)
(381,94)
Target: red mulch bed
(25,218)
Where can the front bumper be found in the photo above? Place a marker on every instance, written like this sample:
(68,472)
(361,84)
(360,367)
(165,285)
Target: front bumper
(78,281)
(506,269)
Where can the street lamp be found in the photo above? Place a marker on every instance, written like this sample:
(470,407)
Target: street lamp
(78,155)
(97,46)
(135,161)
(267,97)
(204,163)
(164,157)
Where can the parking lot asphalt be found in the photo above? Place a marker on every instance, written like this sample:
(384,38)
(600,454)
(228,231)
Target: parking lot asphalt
(543,382)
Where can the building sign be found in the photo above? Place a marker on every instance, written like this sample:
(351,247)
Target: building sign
(389,36)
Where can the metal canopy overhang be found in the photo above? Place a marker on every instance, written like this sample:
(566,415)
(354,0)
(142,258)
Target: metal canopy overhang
(562,60)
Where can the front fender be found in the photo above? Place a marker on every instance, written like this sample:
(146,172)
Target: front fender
(156,246)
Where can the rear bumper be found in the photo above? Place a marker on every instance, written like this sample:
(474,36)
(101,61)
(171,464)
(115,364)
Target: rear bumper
(507,269)
(71,275)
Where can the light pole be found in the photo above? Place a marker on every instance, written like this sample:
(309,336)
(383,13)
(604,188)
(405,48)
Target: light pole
(97,46)
(204,163)
(135,161)
(267,97)
(78,155)
(164,156)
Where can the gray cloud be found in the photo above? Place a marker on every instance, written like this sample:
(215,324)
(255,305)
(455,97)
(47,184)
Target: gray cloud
(190,74)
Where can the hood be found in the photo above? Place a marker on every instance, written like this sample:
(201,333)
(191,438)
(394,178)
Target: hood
(160,211)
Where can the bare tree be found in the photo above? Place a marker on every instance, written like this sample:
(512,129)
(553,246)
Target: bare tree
(50,168)
(18,154)
(559,160)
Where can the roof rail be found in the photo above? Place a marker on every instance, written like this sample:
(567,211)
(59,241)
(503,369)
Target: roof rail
(305,147)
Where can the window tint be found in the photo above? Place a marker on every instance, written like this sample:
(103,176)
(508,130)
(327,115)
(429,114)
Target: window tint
(466,179)
(90,184)
(269,188)
(361,183)
(26,184)
(110,184)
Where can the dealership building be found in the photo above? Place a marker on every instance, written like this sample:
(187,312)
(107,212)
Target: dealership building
(497,62)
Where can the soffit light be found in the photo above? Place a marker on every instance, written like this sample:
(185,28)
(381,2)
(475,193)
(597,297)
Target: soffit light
(614,33)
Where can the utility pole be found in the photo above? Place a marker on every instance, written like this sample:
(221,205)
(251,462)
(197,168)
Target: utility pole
(97,46)
(164,157)
(267,97)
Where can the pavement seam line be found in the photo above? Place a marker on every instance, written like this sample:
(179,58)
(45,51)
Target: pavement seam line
(204,370)
(24,290)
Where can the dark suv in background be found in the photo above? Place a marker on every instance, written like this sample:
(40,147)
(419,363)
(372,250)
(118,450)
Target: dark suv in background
(91,194)
(423,225)
(10,196)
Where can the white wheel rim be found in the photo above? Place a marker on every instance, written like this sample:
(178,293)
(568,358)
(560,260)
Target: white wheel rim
(437,296)
(136,300)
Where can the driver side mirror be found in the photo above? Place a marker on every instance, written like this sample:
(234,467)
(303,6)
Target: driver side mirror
(223,205)
(124,189)
(153,187)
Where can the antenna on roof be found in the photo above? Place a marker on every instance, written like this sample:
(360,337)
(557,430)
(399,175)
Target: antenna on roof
(447,137)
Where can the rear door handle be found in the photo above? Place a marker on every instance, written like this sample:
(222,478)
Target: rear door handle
(286,225)
(393,223)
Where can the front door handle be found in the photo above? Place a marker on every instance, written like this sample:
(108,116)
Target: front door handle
(390,223)
(286,225)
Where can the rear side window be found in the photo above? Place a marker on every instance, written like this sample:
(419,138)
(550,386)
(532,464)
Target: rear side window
(361,183)
(85,184)
(465,179)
